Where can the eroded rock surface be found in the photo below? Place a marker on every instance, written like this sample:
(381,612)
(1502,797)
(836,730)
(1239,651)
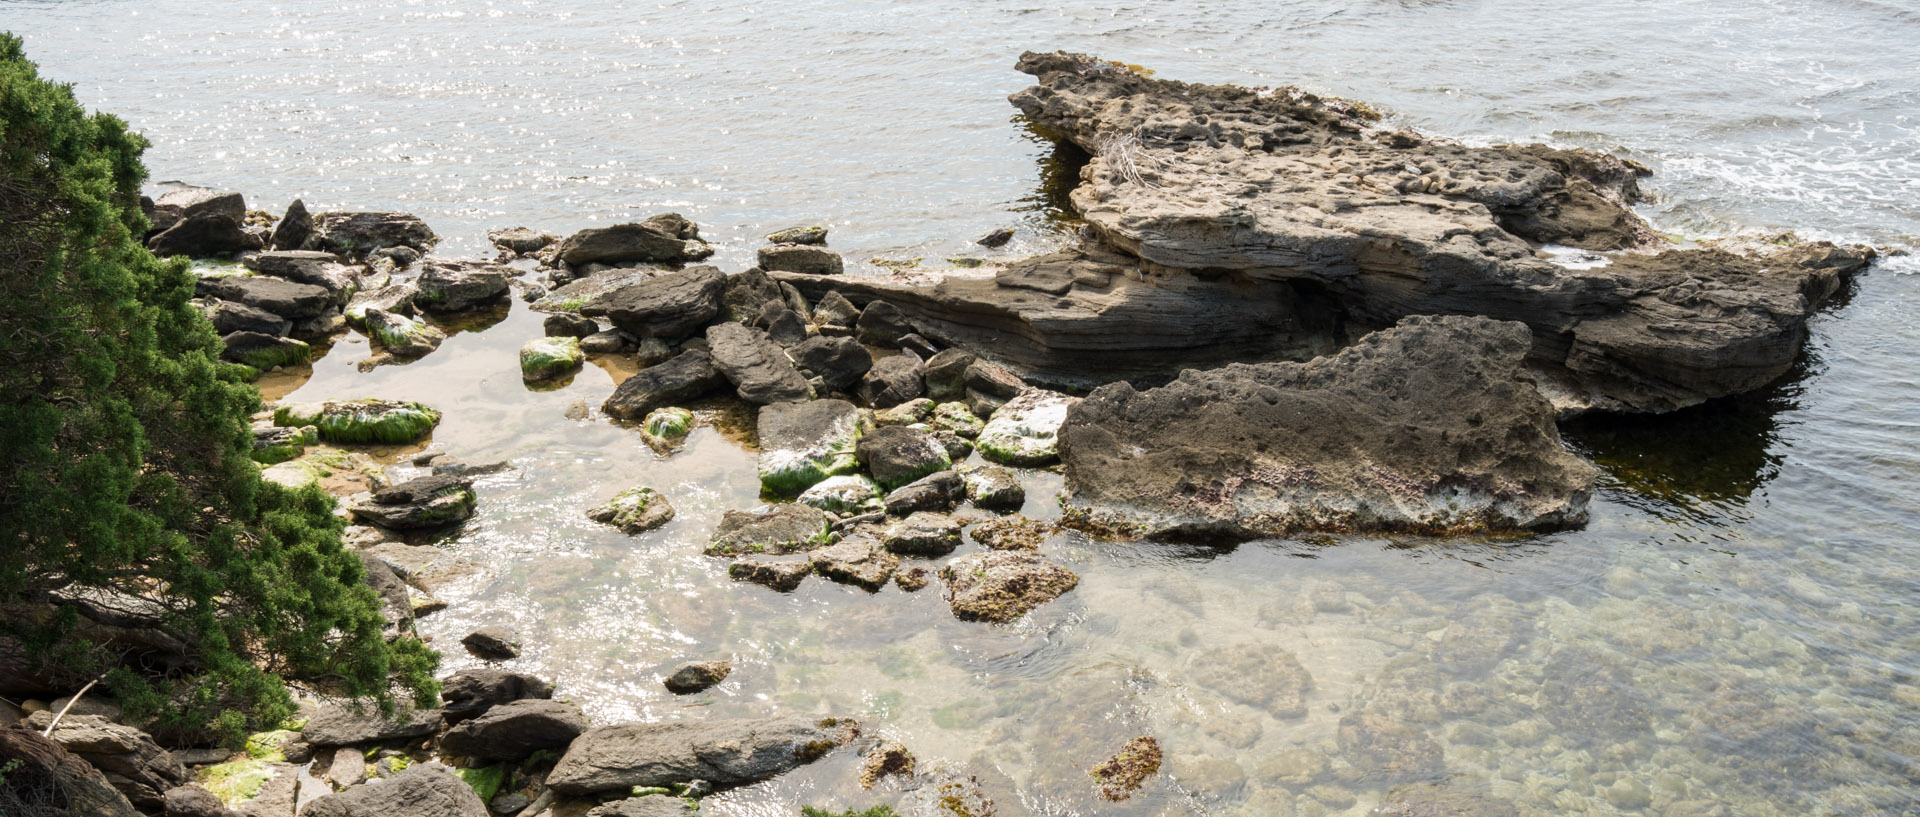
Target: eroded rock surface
(722,752)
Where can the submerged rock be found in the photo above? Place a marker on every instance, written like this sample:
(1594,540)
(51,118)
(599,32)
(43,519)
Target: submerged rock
(550,357)
(804,443)
(695,676)
(397,299)
(722,752)
(1430,426)
(784,529)
(1389,749)
(1026,429)
(1428,800)
(1001,586)
(1263,676)
(1122,775)
(387,422)
(634,511)
(1012,533)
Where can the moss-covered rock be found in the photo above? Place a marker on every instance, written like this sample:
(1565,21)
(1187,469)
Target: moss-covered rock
(278,444)
(1026,430)
(551,357)
(1121,775)
(269,746)
(912,412)
(665,429)
(784,529)
(362,421)
(264,352)
(957,418)
(235,781)
(634,511)
(804,443)
(486,780)
(400,335)
(845,494)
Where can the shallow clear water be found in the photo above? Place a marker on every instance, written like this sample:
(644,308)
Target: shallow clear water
(1734,633)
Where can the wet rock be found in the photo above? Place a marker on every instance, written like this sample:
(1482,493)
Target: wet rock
(1588,693)
(958,448)
(996,239)
(911,412)
(613,342)
(913,579)
(468,693)
(833,309)
(884,760)
(858,561)
(276,444)
(695,676)
(228,317)
(568,325)
(516,729)
(1122,775)
(459,286)
(883,324)
(291,232)
(781,576)
(361,421)
(45,772)
(287,299)
(938,491)
(946,374)
(666,429)
(993,488)
(844,495)
(397,299)
(321,269)
(783,529)
(423,790)
(669,306)
(811,235)
(335,725)
(1430,426)
(1002,586)
(1025,430)
(1012,533)
(1263,676)
(801,258)
(573,294)
(923,534)
(321,326)
(423,503)
(758,368)
(892,381)
(521,240)
(263,352)
(957,418)
(550,357)
(492,644)
(838,362)
(687,376)
(400,335)
(652,805)
(653,241)
(1428,800)
(804,443)
(131,761)
(723,752)
(634,511)
(897,455)
(1387,749)
(355,236)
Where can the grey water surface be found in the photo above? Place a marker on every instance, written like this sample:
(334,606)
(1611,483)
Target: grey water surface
(1734,634)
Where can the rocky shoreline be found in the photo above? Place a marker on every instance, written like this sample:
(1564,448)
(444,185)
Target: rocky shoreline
(1282,318)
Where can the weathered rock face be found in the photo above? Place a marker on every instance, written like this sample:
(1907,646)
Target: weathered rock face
(892,381)
(48,773)
(784,529)
(129,758)
(469,693)
(897,455)
(670,306)
(340,726)
(423,790)
(286,299)
(425,503)
(355,236)
(1026,429)
(758,368)
(650,241)
(838,362)
(687,376)
(804,259)
(804,443)
(722,752)
(321,269)
(512,731)
(1431,425)
(1002,585)
(228,316)
(1284,186)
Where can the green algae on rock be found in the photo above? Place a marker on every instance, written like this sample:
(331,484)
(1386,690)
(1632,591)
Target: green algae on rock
(364,421)
(550,357)
(278,444)
(666,428)
(784,529)
(845,494)
(1025,431)
(804,443)
(634,511)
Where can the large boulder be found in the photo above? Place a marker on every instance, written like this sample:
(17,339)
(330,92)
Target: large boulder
(355,236)
(423,790)
(1430,426)
(205,234)
(469,693)
(41,771)
(187,201)
(129,758)
(758,369)
(838,362)
(653,241)
(668,306)
(804,443)
(287,299)
(388,422)
(514,730)
(722,752)
(684,377)
(400,335)
(1003,585)
(1026,429)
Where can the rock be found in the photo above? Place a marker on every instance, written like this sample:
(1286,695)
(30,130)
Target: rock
(897,455)
(424,503)
(131,761)
(843,495)
(492,644)
(892,381)
(748,294)
(666,429)
(1121,775)
(322,326)
(721,751)
(396,606)
(886,759)
(204,236)
(513,730)
(397,299)
(883,324)
(1001,586)
(785,326)
(1263,676)
(229,317)
(669,306)
(192,801)
(361,421)
(804,443)
(550,357)
(1012,533)
(957,418)
(994,488)
(923,534)
(912,412)
(423,790)
(521,240)
(509,804)
(858,561)
(402,336)
(459,286)
(811,235)
(913,579)
(263,352)
(355,236)
(468,693)
(321,269)
(757,367)
(1585,692)
(996,239)
(276,444)
(336,725)
(646,242)
(781,576)
(347,768)
(838,362)
(286,299)
(938,491)
(634,511)
(46,774)
(575,293)
(1025,430)
(833,309)
(1428,800)
(613,342)
(695,676)
(918,346)
(688,376)
(1431,426)
(783,529)
(1392,226)
(567,325)
(400,256)
(1388,750)
(801,258)
(652,805)
(945,374)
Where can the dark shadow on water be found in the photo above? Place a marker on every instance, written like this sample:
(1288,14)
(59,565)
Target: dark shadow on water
(1050,208)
